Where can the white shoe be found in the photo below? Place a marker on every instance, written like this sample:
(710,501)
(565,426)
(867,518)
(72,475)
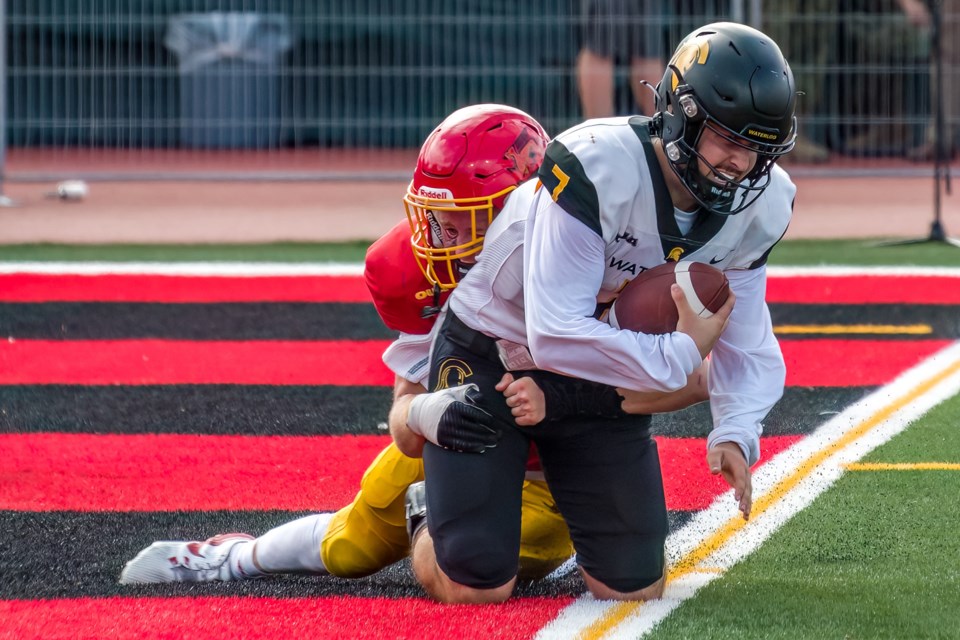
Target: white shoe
(179,561)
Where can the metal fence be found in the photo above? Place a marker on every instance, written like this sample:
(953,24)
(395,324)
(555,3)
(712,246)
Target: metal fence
(301,89)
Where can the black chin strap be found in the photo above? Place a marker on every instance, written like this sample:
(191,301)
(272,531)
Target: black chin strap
(430,311)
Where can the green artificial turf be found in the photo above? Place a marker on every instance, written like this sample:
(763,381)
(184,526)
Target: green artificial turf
(280,252)
(876,556)
(788,252)
(864,252)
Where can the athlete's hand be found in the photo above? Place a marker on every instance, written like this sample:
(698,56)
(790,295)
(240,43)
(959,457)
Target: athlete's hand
(704,331)
(525,399)
(727,458)
(450,418)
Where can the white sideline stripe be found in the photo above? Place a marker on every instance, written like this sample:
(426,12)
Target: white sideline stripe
(239,269)
(588,620)
(356,268)
(828,270)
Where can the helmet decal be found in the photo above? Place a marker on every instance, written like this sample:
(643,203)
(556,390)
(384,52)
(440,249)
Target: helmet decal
(686,56)
(526,154)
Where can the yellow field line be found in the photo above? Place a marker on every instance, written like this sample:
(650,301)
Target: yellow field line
(861,329)
(903,466)
(688,564)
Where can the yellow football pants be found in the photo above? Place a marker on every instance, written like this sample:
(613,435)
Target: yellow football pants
(370,533)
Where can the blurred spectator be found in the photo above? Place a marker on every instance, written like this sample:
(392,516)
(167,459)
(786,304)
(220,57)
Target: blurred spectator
(918,14)
(619,31)
(807,32)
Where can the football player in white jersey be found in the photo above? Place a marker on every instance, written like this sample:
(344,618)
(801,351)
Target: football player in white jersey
(616,196)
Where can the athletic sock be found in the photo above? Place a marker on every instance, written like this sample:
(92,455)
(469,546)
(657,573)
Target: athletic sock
(293,547)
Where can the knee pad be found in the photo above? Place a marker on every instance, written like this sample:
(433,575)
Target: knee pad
(627,567)
(370,533)
(476,561)
(357,545)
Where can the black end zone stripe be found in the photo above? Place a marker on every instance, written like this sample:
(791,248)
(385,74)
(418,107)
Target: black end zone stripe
(943,320)
(307,410)
(227,321)
(80,555)
(800,411)
(577,194)
(206,409)
(333,321)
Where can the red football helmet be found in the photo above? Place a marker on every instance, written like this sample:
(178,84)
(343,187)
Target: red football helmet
(465,170)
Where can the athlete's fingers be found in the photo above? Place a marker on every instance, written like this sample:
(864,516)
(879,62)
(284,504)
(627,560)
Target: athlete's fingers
(727,459)
(505,382)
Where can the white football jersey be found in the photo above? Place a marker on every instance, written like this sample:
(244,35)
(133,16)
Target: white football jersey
(600,214)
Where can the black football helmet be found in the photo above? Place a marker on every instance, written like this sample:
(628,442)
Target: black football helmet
(734,79)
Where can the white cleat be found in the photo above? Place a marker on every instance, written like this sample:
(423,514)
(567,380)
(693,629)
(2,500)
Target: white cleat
(179,561)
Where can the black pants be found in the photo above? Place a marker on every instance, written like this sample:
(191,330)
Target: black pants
(604,475)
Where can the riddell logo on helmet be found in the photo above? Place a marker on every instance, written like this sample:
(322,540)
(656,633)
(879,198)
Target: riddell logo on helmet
(436,194)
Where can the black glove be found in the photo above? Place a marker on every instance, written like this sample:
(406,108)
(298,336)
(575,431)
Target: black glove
(450,418)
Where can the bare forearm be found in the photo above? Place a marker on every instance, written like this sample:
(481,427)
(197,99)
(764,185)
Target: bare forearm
(410,443)
(647,402)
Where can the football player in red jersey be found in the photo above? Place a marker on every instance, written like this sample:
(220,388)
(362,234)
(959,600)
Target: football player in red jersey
(466,169)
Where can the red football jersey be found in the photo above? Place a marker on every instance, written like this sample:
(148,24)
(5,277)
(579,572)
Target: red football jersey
(399,289)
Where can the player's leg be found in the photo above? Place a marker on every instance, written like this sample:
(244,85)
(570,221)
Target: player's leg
(595,64)
(468,551)
(605,476)
(645,35)
(367,535)
(370,534)
(362,538)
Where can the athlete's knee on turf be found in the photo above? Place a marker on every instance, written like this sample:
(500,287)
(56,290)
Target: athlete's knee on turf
(477,562)
(442,587)
(635,590)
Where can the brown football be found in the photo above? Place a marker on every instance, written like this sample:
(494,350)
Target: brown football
(645,304)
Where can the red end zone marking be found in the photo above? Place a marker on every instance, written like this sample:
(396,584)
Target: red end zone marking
(206,618)
(864,289)
(688,483)
(33,287)
(851,363)
(168,472)
(137,362)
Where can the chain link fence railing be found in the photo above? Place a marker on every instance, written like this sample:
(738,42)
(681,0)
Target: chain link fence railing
(296,89)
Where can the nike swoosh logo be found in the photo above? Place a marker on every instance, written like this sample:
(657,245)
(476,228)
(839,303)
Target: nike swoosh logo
(715,259)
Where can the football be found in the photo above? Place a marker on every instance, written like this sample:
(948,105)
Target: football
(645,304)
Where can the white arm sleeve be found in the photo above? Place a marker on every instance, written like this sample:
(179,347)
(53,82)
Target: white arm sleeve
(747,371)
(409,357)
(564,262)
